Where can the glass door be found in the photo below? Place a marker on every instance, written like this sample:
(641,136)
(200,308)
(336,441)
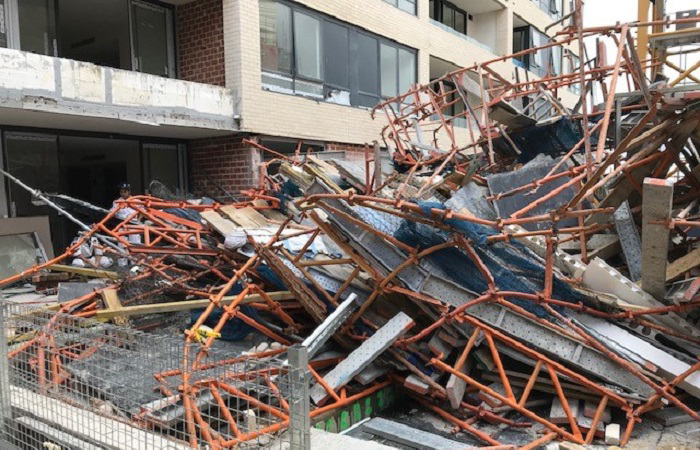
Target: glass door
(33,159)
(152,29)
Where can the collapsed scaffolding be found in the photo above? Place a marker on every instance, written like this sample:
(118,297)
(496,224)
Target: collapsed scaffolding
(399,281)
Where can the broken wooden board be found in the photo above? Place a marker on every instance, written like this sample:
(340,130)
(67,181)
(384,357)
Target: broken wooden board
(247,217)
(683,264)
(218,223)
(362,356)
(85,271)
(113,304)
(186,305)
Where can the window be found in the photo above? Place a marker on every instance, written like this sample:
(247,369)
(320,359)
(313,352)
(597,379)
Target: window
(554,8)
(450,15)
(407,70)
(306,53)
(123,34)
(405,5)
(572,66)
(307,41)
(456,105)
(336,61)
(276,37)
(36,30)
(368,70)
(542,62)
(389,70)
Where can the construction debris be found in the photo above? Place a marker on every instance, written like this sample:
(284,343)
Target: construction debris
(502,284)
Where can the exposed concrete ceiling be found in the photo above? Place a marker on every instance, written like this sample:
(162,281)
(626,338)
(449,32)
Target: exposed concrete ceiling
(36,119)
(478,6)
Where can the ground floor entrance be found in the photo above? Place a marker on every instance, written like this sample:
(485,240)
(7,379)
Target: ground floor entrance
(84,166)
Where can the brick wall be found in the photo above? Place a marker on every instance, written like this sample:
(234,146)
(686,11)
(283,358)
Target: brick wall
(200,29)
(228,161)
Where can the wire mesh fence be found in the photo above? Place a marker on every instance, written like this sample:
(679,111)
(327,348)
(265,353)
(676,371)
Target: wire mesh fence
(73,383)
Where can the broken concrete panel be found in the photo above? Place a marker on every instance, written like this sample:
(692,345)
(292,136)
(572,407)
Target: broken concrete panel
(412,437)
(612,434)
(667,365)
(629,239)
(362,356)
(657,204)
(558,415)
(600,277)
(590,408)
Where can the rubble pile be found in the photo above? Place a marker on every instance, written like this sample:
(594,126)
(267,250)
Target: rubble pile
(542,279)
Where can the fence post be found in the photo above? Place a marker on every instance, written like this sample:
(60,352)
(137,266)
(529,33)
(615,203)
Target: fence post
(5,401)
(299,418)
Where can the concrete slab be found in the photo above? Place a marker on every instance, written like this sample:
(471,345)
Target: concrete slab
(412,437)
(362,356)
(656,205)
(629,240)
(323,440)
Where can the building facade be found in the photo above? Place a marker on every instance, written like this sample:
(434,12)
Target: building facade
(138,90)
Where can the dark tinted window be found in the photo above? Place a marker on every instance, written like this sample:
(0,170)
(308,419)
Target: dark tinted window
(368,64)
(336,55)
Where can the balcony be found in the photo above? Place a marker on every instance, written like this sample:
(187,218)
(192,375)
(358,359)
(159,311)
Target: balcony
(48,92)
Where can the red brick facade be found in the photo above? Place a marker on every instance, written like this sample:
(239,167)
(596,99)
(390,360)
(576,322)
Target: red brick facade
(222,161)
(340,147)
(200,40)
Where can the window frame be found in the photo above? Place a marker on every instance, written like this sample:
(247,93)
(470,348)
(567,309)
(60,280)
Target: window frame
(397,4)
(354,90)
(529,32)
(12,27)
(436,8)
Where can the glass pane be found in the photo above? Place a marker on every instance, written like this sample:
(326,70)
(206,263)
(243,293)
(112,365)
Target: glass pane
(18,252)
(164,166)
(307,40)
(336,55)
(368,64)
(100,35)
(460,22)
(3,24)
(556,60)
(34,160)
(432,10)
(368,101)
(407,70)
(276,36)
(151,39)
(408,6)
(391,2)
(448,15)
(34,34)
(389,70)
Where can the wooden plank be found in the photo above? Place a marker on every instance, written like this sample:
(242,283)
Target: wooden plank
(186,305)
(247,217)
(218,223)
(113,304)
(85,271)
(683,264)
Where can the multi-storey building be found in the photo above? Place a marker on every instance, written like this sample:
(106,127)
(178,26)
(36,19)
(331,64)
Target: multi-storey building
(102,91)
